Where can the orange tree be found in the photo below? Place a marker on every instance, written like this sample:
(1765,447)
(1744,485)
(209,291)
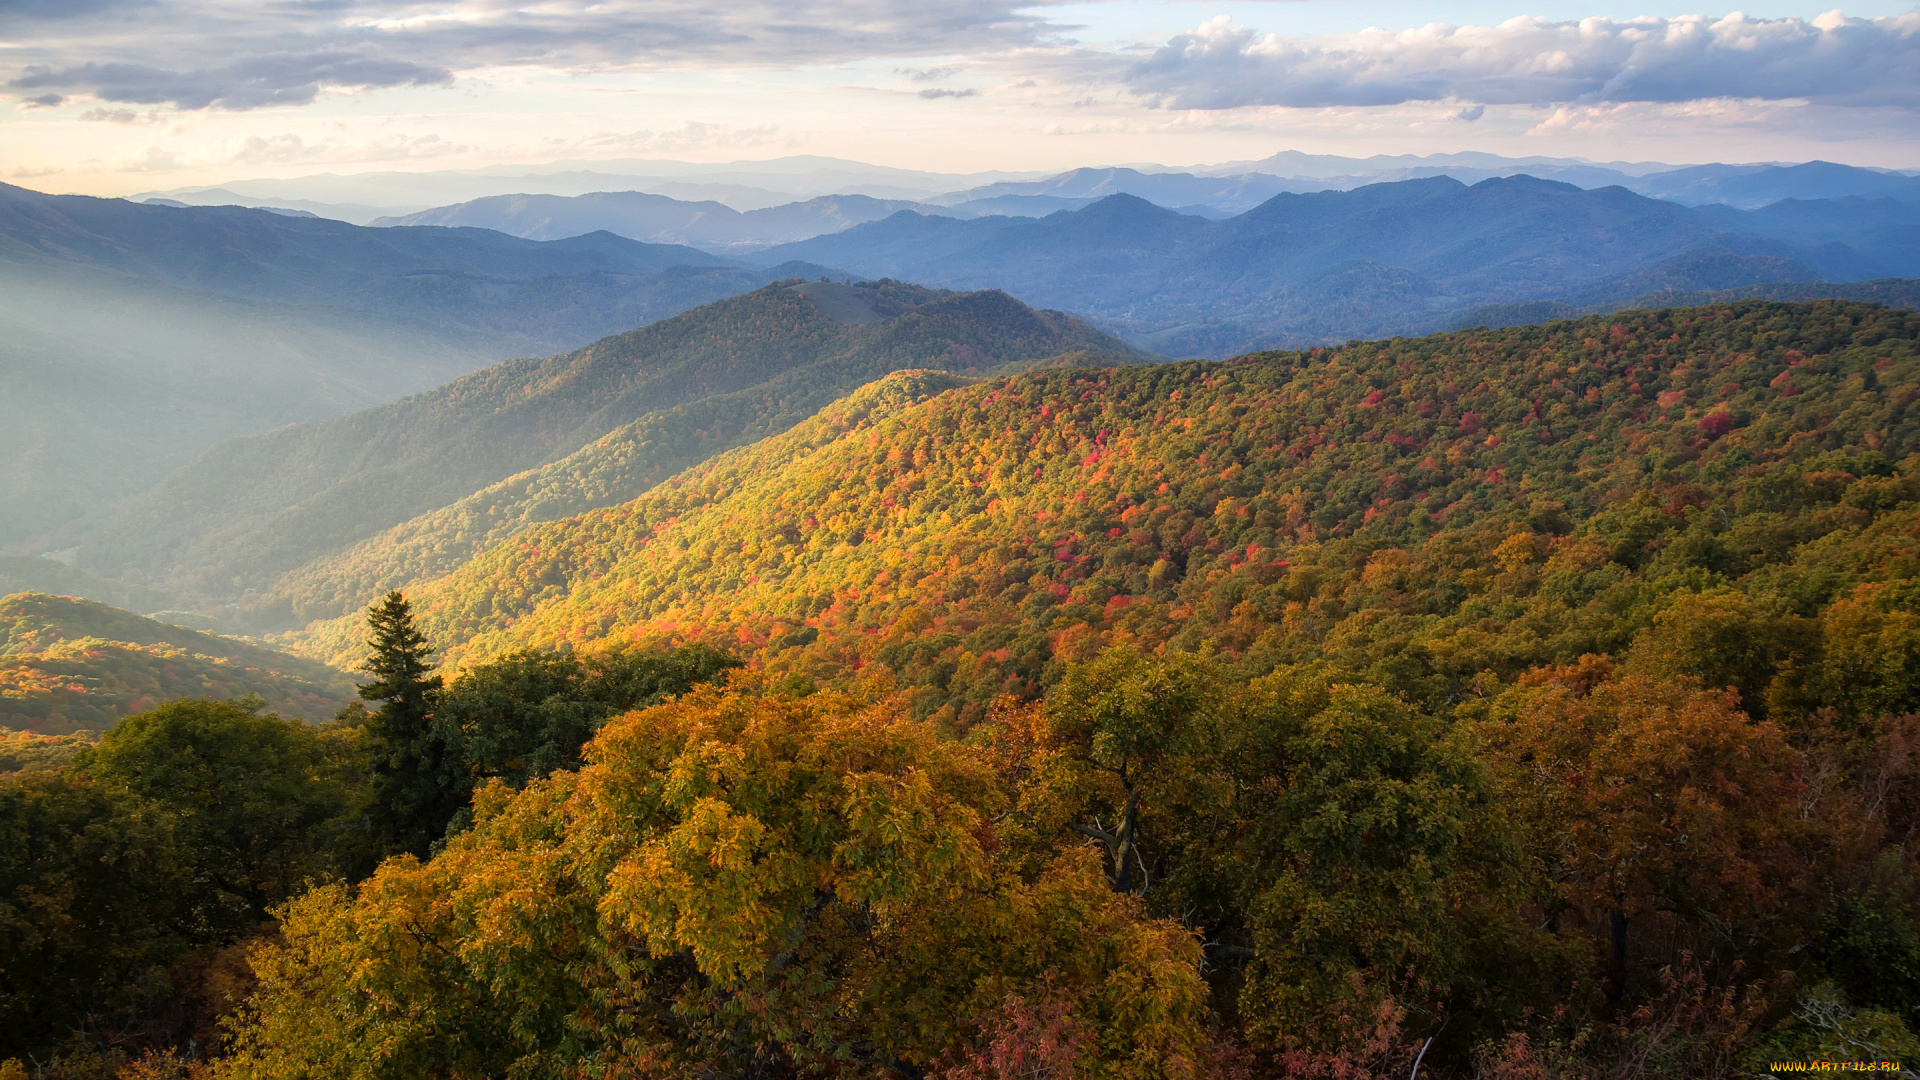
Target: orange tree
(1652,801)
(739,882)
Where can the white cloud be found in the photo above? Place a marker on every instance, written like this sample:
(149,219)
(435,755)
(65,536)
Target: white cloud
(1532,61)
(241,54)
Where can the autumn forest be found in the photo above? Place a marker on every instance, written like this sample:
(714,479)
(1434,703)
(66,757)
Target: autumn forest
(1532,703)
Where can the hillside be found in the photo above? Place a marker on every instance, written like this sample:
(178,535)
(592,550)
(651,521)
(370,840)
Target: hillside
(1390,258)
(254,508)
(68,665)
(1421,509)
(133,337)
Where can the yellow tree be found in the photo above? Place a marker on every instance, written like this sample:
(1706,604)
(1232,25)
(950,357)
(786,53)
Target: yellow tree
(737,882)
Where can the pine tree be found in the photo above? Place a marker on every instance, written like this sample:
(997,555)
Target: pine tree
(408,810)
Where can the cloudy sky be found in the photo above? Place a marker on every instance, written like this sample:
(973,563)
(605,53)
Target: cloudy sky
(113,96)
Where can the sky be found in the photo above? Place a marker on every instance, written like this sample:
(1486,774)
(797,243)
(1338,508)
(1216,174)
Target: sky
(112,97)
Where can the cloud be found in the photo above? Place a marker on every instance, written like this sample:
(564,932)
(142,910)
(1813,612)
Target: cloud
(274,79)
(926,74)
(931,95)
(111,116)
(59,9)
(243,54)
(1472,114)
(1533,61)
(43,101)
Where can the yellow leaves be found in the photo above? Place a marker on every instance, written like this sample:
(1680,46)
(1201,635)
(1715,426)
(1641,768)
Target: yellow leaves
(904,841)
(710,886)
(737,871)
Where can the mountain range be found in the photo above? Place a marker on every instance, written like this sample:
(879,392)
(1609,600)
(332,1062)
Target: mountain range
(1404,257)
(445,473)
(1228,187)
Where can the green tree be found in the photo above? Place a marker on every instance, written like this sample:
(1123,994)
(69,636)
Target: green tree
(411,800)
(90,919)
(261,805)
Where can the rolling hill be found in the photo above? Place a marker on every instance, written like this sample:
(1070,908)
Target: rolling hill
(595,426)
(69,665)
(1422,509)
(1393,258)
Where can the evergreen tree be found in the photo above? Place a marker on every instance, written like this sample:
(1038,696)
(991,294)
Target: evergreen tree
(408,814)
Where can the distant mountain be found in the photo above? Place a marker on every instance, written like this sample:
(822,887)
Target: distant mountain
(601,423)
(1171,189)
(68,665)
(1752,186)
(35,573)
(405,273)
(1891,292)
(1394,258)
(657,218)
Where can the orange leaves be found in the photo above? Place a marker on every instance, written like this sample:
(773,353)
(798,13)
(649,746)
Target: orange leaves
(1649,796)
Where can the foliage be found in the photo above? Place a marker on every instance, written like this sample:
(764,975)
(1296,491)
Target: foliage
(409,805)
(1651,799)
(1417,512)
(88,879)
(71,665)
(27,751)
(736,881)
(128,876)
(262,806)
(526,715)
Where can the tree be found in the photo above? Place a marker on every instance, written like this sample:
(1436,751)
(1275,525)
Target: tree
(524,715)
(737,883)
(1135,735)
(1650,801)
(411,800)
(91,881)
(1363,862)
(261,804)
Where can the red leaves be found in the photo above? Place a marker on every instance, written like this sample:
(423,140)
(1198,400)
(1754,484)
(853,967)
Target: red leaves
(1715,424)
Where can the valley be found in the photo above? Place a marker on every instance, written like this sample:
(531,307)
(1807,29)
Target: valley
(1439,618)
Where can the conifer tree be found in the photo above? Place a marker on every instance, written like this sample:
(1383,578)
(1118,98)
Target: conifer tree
(407,795)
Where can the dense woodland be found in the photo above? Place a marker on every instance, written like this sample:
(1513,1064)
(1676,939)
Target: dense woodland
(1522,704)
(70,665)
(538,438)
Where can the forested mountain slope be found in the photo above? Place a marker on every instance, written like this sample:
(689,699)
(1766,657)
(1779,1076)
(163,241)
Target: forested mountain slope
(1421,512)
(68,664)
(253,508)
(1404,257)
(132,337)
